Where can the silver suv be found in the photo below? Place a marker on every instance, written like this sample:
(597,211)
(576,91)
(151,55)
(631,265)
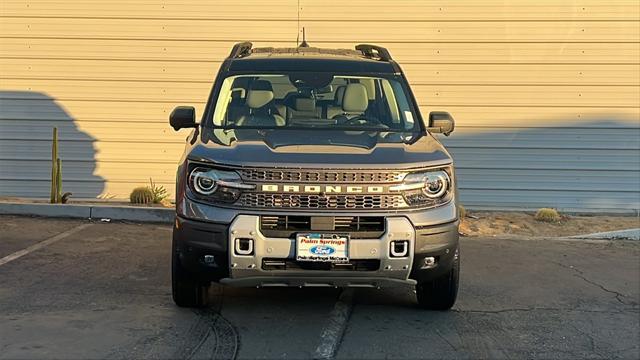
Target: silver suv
(314,167)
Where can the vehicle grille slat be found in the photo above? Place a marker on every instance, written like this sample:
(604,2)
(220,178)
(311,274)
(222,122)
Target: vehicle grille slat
(369,227)
(315,176)
(288,264)
(338,201)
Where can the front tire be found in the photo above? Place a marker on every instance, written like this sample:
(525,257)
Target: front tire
(187,290)
(440,293)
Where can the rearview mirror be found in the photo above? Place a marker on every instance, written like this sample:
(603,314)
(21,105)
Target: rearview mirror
(183,117)
(441,122)
(325,90)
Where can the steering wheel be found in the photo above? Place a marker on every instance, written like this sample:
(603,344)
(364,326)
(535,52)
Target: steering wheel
(359,120)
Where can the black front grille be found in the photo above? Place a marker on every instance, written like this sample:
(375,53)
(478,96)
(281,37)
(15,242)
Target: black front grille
(358,227)
(334,200)
(337,201)
(352,265)
(330,176)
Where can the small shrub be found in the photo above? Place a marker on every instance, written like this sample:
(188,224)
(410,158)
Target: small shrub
(141,195)
(548,215)
(462,212)
(159,192)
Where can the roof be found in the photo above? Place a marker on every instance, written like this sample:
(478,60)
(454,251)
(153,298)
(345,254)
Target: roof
(363,60)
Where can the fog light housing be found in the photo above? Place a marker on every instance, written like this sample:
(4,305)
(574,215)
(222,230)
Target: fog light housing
(429,262)
(210,260)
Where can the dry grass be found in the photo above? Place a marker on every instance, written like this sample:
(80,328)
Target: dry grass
(496,224)
(462,212)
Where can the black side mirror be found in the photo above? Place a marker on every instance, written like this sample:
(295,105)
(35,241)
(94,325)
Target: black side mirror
(183,117)
(441,122)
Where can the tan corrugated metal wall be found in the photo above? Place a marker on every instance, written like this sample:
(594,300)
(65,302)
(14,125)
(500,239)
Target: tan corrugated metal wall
(546,94)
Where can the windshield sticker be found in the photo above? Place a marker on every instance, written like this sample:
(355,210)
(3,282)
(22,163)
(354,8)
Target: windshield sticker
(408,116)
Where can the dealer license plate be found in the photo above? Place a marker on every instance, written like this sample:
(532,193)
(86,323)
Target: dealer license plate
(322,247)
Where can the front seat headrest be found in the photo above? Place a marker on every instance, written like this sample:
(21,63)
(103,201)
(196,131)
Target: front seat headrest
(339,95)
(260,94)
(355,98)
(305,104)
(238,93)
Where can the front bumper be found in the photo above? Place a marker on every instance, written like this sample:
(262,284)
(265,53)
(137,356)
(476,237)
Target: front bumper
(194,240)
(248,270)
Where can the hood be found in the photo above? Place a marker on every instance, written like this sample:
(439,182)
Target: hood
(319,149)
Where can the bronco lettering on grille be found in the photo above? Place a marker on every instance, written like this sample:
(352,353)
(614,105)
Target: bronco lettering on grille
(326,189)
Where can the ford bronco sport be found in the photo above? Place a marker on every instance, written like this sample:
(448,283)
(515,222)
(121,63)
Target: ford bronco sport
(313,167)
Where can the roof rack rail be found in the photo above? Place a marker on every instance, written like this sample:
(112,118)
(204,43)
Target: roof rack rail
(240,50)
(380,52)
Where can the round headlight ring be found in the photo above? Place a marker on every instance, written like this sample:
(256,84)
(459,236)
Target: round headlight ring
(436,184)
(204,182)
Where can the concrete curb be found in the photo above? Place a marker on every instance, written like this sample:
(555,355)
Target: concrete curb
(566,211)
(628,234)
(130,213)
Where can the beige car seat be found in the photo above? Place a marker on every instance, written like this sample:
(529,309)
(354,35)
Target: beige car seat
(354,102)
(336,108)
(304,108)
(261,109)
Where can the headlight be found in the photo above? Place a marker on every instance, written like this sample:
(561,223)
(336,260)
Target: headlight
(426,188)
(436,183)
(216,185)
(205,182)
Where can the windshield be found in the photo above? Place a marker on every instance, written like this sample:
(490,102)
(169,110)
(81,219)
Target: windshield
(322,101)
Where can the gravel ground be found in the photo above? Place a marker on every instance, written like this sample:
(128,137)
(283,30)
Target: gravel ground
(521,224)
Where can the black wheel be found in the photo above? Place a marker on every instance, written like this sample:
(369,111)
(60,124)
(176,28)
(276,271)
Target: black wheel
(440,293)
(188,290)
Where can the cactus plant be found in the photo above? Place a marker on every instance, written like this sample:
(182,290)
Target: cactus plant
(58,180)
(158,191)
(141,195)
(548,215)
(56,171)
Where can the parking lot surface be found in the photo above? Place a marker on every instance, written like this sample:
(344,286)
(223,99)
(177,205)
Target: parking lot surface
(102,290)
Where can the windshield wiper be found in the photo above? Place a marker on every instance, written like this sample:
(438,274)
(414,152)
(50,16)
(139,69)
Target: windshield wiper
(318,128)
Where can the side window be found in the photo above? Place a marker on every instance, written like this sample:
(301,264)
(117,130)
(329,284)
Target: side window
(390,98)
(224,98)
(236,100)
(236,104)
(403,105)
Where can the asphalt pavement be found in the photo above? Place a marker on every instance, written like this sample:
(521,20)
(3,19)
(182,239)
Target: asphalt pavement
(79,290)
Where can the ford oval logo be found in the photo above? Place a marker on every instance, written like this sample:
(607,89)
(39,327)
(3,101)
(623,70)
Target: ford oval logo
(322,250)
